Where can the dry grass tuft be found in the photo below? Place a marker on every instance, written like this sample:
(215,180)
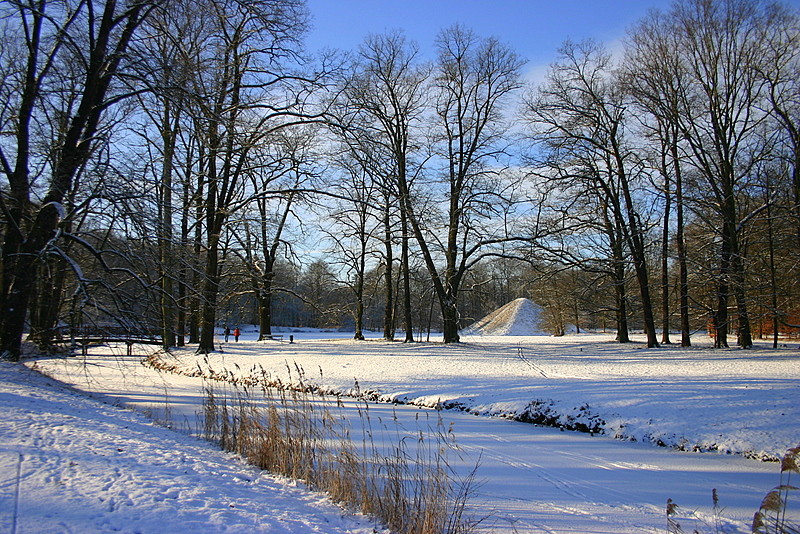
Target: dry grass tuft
(402,479)
(773,516)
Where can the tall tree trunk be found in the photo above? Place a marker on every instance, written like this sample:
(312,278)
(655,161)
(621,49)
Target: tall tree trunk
(720,323)
(165,237)
(194,305)
(183,270)
(197,246)
(744,336)
(613,232)
(720,317)
(265,302)
(773,282)
(647,309)
(180,332)
(265,311)
(732,275)
(362,266)
(683,270)
(208,308)
(214,224)
(407,317)
(621,301)
(637,249)
(665,282)
(388,313)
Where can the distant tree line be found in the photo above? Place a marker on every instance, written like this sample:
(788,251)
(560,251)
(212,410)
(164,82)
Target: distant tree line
(170,166)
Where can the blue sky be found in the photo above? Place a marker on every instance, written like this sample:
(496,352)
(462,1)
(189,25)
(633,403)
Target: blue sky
(533,28)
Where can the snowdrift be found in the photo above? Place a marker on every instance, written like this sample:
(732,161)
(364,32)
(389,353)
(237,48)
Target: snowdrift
(520,317)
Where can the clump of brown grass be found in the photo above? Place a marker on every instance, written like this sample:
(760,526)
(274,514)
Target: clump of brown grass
(402,479)
(674,512)
(772,517)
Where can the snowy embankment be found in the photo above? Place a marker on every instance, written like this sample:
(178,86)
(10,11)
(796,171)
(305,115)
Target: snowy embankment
(700,399)
(69,463)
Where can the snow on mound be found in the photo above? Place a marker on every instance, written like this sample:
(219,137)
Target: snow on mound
(520,317)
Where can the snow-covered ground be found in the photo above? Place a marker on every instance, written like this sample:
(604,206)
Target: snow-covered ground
(71,464)
(533,479)
(732,401)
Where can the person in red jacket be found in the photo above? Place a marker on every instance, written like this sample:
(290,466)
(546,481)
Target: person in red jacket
(236,333)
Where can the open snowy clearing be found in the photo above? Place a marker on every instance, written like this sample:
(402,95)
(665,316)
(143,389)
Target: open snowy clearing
(533,479)
(736,401)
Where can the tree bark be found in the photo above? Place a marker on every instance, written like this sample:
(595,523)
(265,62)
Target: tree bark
(47,304)
(683,270)
(618,269)
(165,236)
(265,303)
(665,282)
(208,308)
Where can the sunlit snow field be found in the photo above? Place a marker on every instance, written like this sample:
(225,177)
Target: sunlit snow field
(699,399)
(738,404)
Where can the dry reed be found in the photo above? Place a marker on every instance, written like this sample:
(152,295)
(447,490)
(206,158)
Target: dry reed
(774,516)
(402,479)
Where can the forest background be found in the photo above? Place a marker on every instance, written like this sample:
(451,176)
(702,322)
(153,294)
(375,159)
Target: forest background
(173,166)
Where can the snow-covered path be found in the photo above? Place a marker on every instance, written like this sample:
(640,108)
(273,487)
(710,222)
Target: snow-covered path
(71,464)
(534,480)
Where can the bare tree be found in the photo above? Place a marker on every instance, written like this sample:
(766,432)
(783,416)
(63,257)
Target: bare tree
(578,224)
(357,222)
(473,79)
(780,70)
(246,93)
(653,74)
(95,36)
(276,186)
(722,45)
(581,112)
(171,48)
(387,90)
(369,168)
